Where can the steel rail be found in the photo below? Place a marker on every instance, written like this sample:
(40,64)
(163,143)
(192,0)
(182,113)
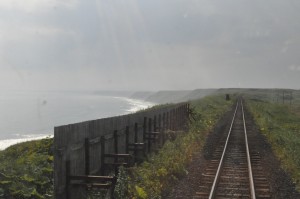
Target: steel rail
(251,181)
(213,189)
(252,189)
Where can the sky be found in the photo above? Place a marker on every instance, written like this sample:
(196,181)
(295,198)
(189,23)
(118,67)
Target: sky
(149,45)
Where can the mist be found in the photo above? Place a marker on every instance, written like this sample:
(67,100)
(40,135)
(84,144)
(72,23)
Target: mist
(149,45)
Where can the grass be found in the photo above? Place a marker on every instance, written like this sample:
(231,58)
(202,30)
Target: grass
(26,170)
(153,177)
(280,124)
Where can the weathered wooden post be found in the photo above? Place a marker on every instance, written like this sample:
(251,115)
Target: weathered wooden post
(68,174)
(116,141)
(87,155)
(149,131)
(188,111)
(182,116)
(173,119)
(164,128)
(116,150)
(159,130)
(102,168)
(159,122)
(168,121)
(136,128)
(127,139)
(176,118)
(154,124)
(144,133)
(154,131)
(135,140)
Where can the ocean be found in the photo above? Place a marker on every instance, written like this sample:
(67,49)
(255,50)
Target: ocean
(33,115)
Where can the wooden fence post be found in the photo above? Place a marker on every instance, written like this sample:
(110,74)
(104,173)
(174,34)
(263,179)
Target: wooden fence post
(68,173)
(164,128)
(154,124)
(171,118)
(176,119)
(116,142)
(168,121)
(149,131)
(102,141)
(135,140)
(154,130)
(87,155)
(136,132)
(159,130)
(144,134)
(181,117)
(116,150)
(127,139)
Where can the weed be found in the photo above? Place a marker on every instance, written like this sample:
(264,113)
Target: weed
(152,178)
(280,125)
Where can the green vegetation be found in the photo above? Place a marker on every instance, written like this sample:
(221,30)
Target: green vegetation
(156,175)
(26,170)
(280,124)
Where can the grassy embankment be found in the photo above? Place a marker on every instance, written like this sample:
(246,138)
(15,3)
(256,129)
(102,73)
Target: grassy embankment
(26,170)
(280,124)
(154,176)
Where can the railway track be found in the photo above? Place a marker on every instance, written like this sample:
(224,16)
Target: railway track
(234,171)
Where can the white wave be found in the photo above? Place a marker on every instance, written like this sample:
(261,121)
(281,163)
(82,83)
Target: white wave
(136,104)
(8,142)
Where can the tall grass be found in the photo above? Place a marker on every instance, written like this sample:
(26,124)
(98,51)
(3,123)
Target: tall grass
(26,170)
(281,126)
(156,175)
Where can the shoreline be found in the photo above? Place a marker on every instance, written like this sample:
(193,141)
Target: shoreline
(136,105)
(4,144)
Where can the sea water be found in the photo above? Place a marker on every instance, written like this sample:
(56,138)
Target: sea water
(33,115)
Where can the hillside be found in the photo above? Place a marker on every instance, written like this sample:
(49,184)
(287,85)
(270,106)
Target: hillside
(26,170)
(143,95)
(173,96)
(167,96)
(275,95)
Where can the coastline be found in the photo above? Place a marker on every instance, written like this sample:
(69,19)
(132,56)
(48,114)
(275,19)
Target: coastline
(9,142)
(135,105)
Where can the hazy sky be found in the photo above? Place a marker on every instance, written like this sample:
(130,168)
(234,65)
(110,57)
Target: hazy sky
(149,44)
